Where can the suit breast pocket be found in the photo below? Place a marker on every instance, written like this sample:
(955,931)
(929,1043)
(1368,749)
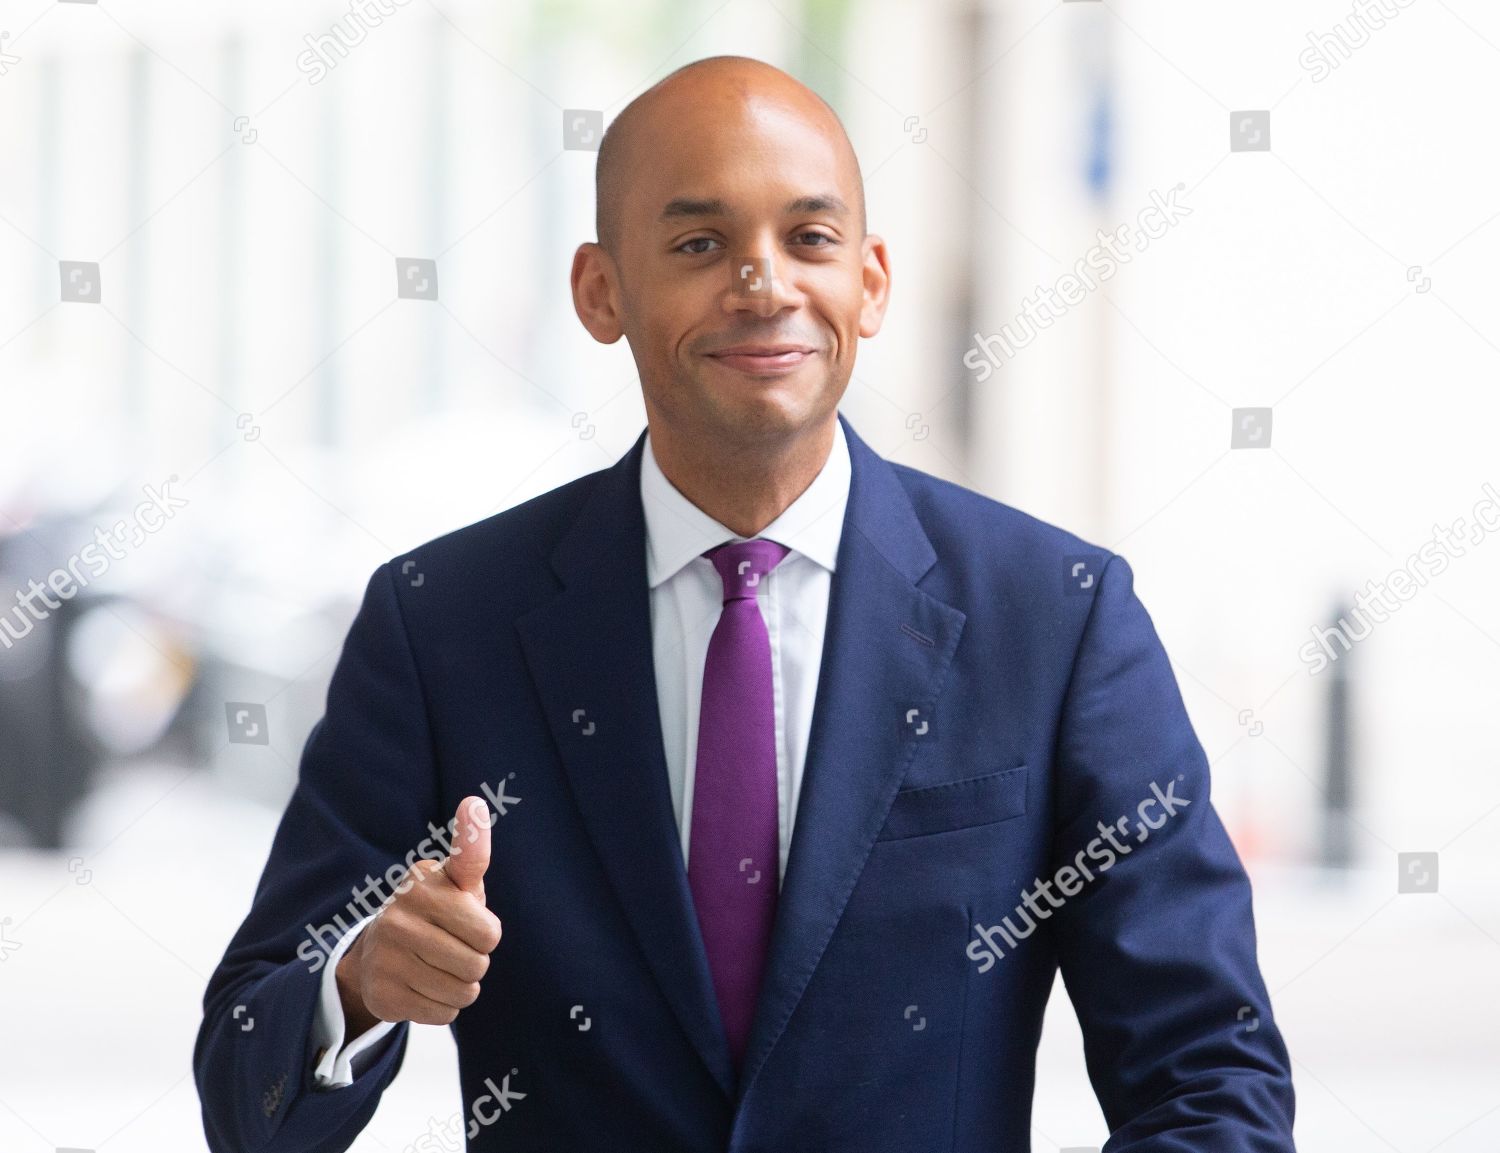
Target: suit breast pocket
(961,804)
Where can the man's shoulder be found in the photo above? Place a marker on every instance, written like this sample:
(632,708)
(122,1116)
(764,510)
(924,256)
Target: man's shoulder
(962,523)
(1013,573)
(507,549)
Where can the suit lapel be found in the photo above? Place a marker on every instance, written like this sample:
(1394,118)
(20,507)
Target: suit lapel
(590,654)
(886,652)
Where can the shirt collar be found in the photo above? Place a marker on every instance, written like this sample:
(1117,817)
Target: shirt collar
(677,530)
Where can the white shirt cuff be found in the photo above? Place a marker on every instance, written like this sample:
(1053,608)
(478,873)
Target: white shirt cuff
(336,1069)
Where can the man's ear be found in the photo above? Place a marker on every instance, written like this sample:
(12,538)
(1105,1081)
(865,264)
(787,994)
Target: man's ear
(596,293)
(877,285)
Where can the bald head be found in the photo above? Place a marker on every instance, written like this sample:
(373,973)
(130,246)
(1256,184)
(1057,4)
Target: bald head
(637,137)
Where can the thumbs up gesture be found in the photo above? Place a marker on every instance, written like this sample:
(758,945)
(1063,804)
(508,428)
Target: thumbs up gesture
(423,955)
(470,859)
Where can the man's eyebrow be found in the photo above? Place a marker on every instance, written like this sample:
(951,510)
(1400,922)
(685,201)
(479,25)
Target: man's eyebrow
(824,202)
(687,206)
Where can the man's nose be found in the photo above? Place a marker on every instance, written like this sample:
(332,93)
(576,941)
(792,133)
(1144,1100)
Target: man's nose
(757,285)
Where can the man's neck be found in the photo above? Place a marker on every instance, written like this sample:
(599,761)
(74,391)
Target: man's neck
(743,489)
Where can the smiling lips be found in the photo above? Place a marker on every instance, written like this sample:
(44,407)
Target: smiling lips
(763,359)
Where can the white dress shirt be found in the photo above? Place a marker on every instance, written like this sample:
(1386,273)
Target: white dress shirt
(687,595)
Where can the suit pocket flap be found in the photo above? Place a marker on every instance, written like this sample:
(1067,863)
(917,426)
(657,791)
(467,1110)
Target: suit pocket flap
(972,801)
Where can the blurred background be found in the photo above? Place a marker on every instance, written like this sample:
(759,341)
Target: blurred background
(284,292)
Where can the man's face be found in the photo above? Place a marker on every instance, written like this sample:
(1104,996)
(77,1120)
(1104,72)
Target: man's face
(731,181)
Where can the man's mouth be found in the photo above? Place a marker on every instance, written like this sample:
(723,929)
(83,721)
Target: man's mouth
(763,359)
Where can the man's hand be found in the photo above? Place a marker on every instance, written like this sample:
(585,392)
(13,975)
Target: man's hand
(422,956)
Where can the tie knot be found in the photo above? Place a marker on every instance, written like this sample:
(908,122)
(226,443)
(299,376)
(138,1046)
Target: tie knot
(741,564)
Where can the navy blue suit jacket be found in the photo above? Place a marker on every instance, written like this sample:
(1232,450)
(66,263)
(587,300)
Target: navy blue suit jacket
(993,695)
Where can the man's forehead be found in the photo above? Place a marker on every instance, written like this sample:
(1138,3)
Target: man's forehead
(753,164)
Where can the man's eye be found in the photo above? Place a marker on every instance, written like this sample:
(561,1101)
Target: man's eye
(818,236)
(696,240)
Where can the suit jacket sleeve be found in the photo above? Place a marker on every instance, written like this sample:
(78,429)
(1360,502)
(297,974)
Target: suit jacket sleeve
(366,789)
(1157,951)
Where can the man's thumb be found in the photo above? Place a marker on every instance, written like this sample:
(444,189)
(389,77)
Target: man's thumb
(470,858)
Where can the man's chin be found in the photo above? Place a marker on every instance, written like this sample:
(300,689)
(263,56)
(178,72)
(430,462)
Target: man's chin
(766,413)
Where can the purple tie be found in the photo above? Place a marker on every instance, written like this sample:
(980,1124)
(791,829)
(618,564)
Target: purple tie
(733,849)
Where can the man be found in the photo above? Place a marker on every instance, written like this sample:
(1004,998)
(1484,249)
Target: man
(783,778)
